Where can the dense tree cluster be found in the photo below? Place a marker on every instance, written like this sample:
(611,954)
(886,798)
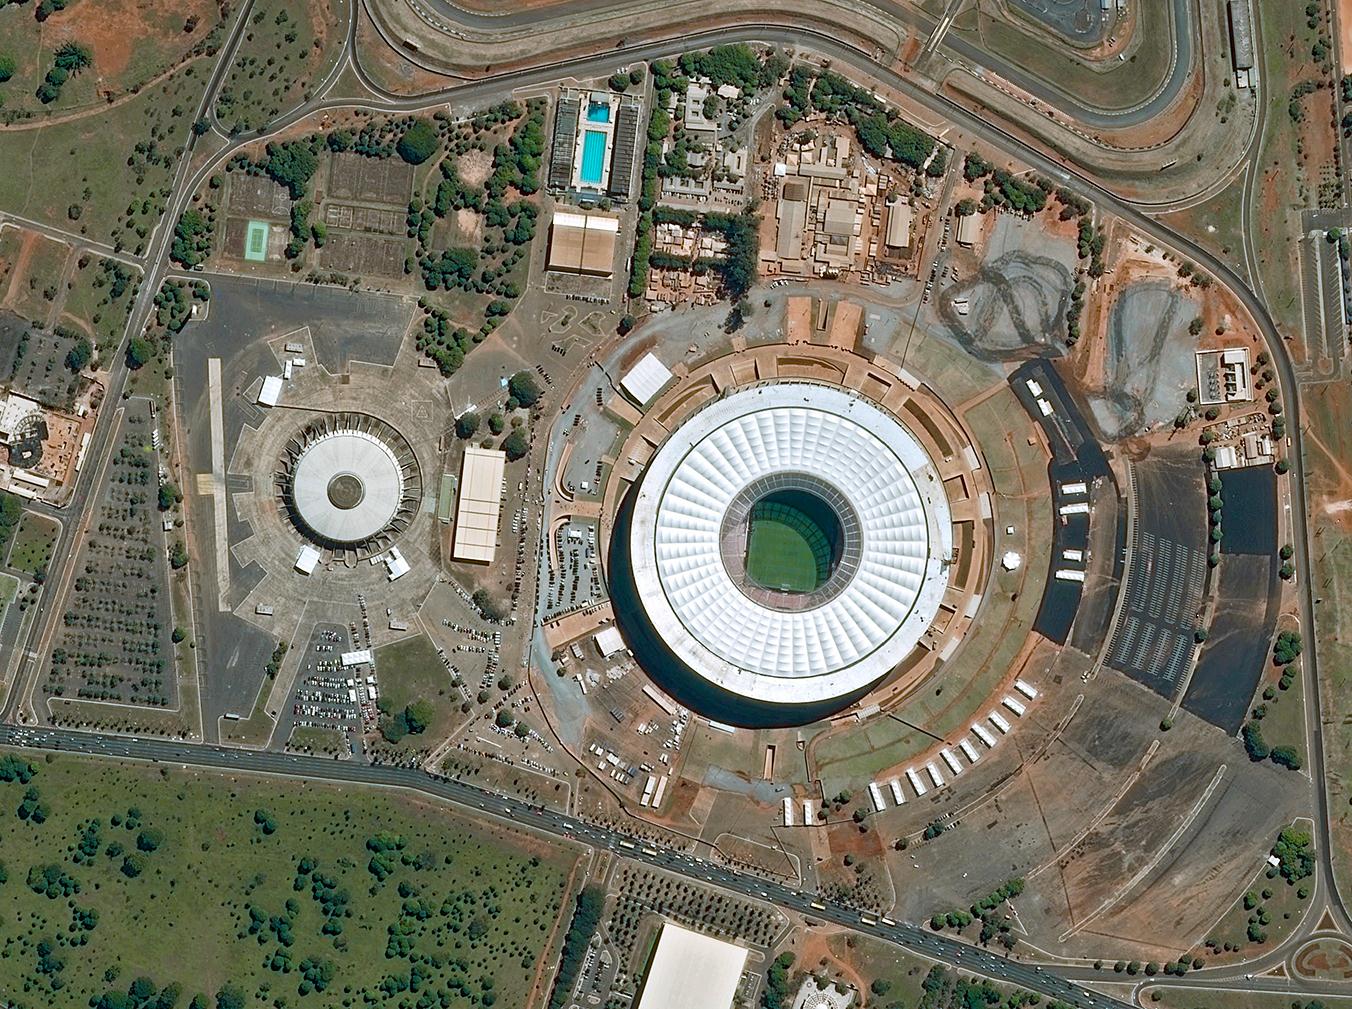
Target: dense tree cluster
(10,513)
(419,142)
(879,128)
(1294,851)
(586,916)
(411,721)
(192,236)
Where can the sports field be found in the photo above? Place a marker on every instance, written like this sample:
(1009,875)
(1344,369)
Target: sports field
(786,548)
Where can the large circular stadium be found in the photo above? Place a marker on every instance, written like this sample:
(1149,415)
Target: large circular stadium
(349,481)
(786,548)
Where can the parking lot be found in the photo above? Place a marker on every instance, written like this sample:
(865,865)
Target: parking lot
(1322,303)
(1154,639)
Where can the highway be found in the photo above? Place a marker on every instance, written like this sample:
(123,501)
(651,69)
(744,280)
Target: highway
(1180,37)
(565,829)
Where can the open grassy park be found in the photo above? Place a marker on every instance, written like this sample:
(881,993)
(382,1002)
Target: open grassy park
(130,44)
(285,51)
(59,174)
(31,548)
(411,672)
(291,893)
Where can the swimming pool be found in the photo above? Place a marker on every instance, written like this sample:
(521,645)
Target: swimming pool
(593,156)
(598,112)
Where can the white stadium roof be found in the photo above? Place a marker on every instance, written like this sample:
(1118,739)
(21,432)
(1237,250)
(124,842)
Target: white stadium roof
(835,645)
(336,508)
(690,969)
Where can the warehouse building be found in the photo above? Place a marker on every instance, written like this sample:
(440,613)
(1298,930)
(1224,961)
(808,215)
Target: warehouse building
(480,505)
(1241,41)
(691,969)
(583,243)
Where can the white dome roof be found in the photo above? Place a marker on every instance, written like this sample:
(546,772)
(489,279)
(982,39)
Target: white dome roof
(834,645)
(347,486)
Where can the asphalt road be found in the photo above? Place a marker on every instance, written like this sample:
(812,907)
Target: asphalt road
(1180,38)
(566,829)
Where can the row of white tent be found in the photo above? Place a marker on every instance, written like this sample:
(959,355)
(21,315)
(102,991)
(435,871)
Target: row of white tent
(931,775)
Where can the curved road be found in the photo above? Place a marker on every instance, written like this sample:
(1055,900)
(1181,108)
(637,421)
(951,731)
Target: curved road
(564,828)
(1181,38)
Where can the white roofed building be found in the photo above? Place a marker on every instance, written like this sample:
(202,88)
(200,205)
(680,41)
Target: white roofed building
(645,380)
(690,970)
(867,499)
(480,505)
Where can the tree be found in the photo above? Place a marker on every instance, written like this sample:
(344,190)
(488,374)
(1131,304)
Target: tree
(169,496)
(7,68)
(523,388)
(516,445)
(1287,648)
(139,351)
(73,57)
(1288,757)
(419,142)
(466,425)
(79,356)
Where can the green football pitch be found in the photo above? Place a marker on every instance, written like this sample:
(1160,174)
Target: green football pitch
(786,549)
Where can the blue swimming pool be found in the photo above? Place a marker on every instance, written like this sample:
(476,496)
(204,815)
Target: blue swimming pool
(593,156)
(598,112)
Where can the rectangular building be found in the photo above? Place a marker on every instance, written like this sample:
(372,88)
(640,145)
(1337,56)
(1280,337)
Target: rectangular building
(1241,35)
(480,505)
(583,243)
(625,152)
(689,969)
(566,113)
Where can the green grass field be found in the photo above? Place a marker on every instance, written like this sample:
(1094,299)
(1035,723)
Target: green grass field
(31,547)
(59,174)
(409,671)
(786,547)
(205,881)
(99,299)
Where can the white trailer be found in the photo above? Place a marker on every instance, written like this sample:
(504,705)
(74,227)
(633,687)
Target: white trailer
(951,761)
(1013,704)
(1027,689)
(897,795)
(983,734)
(788,811)
(877,796)
(916,784)
(934,774)
(969,749)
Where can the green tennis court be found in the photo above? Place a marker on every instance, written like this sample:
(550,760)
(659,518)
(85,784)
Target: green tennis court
(791,542)
(256,242)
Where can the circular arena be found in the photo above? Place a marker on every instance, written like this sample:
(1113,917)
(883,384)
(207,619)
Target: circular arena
(349,482)
(785,549)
